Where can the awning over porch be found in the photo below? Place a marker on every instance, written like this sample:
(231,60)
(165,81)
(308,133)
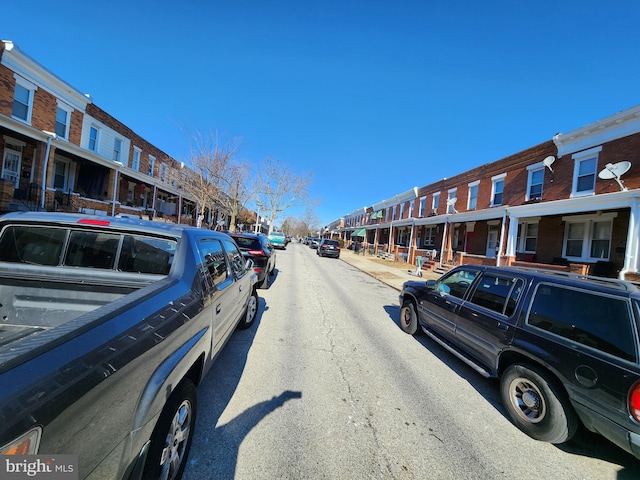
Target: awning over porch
(361,232)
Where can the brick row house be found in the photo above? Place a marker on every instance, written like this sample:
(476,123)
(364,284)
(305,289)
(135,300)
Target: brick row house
(571,203)
(62,152)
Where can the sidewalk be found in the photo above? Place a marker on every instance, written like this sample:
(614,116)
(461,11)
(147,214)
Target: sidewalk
(393,274)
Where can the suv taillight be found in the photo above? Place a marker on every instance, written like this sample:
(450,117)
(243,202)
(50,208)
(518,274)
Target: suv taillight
(634,401)
(256,252)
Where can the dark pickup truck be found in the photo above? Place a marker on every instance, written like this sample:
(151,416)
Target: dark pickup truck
(107,326)
(565,347)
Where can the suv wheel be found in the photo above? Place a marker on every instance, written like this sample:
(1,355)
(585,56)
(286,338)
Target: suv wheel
(537,405)
(408,317)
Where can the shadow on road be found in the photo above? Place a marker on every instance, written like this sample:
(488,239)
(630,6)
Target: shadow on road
(585,443)
(214,451)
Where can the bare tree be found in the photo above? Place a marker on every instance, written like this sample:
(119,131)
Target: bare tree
(278,189)
(215,180)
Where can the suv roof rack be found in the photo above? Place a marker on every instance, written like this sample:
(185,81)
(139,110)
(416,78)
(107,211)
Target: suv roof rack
(605,281)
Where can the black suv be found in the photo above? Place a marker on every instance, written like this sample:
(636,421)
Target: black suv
(258,248)
(328,248)
(565,347)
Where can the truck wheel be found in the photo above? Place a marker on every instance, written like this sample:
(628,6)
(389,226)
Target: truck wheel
(171,439)
(250,313)
(408,317)
(537,405)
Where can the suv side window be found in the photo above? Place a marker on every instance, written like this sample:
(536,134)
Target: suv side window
(597,321)
(456,283)
(497,293)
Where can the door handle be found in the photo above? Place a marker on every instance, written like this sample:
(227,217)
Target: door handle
(218,308)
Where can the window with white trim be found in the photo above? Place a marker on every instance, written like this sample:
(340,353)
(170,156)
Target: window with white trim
(60,174)
(152,163)
(472,203)
(429,236)
(588,238)
(163,172)
(23,99)
(395,212)
(435,203)
(94,138)
(497,189)
(63,119)
(117,150)
(527,241)
(534,183)
(135,161)
(423,200)
(12,158)
(451,199)
(584,172)
(411,208)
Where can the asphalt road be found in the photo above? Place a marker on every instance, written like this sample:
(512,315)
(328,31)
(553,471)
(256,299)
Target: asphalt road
(327,386)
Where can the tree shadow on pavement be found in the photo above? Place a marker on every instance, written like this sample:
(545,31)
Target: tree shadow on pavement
(214,452)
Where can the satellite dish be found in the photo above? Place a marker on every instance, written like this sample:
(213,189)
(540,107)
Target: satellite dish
(547,162)
(451,202)
(613,171)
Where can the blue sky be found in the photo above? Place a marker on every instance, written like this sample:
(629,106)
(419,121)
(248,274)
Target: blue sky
(371,97)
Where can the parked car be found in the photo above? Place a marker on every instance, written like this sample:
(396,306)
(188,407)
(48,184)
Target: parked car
(258,248)
(108,326)
(278,240)
(328,248)
(565,347)
(313,242)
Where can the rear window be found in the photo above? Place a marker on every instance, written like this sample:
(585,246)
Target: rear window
(247,243)
(50,246)
(332,242)
(598,321)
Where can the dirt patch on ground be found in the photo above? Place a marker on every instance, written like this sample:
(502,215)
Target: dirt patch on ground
(383,275)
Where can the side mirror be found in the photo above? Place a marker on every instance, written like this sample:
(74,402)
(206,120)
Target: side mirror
(431,284)
(249,264)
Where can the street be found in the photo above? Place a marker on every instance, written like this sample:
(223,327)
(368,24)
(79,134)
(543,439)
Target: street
(326,385)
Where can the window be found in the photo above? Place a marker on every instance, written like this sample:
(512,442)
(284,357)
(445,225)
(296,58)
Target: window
(395,211)
(235,258)
(23,100)
(135,162)
(588,238)
(527,237)
(584,172)
(497,189)
(435,203)
(451,200)
(429,236)
(594,320)
(473,195)
(497,293)
(163,172)
(534,187)
(63,119)
(422,203)
(456,283)
(60,170)
(11,161)
(215,264)
(117,149)
(93,138)
(152,163)
(411,209)
(401,212)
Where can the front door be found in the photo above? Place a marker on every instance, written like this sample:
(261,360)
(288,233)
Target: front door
(492,241)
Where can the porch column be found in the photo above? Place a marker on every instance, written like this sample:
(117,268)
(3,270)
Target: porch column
(633,232)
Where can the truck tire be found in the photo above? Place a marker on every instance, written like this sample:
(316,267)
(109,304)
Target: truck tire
(537,405)
(172,435)
(408,317)
(250,312)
